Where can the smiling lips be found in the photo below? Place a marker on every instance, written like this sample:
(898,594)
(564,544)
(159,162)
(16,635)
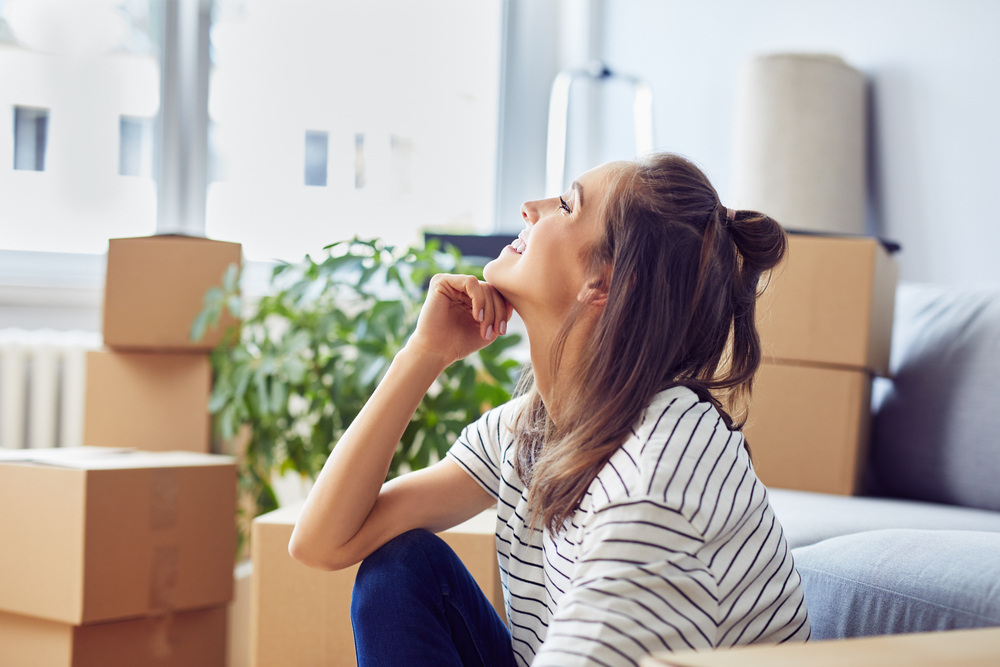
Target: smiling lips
(518,245)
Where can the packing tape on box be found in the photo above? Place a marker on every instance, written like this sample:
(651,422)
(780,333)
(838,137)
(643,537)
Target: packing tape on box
(164,490)
(163,498)
(163,644)
(163,579)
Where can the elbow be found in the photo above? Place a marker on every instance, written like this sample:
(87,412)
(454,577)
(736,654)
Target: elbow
(311,558)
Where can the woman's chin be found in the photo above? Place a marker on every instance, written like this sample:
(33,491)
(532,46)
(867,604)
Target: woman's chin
(498,278)
(492,270)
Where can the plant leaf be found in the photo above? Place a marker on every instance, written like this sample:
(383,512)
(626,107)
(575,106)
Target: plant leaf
(199,325)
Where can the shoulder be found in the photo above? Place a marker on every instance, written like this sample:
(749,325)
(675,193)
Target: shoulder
(670,454)
(665,411)
(482,448)
(496,423)
(491,436)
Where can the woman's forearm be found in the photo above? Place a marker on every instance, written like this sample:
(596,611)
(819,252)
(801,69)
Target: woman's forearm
(349,484)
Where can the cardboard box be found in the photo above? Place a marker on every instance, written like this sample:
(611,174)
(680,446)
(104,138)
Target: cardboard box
(301,616)
(155,288)
(954,648)
(93,535)
(148,401)
(830,302)
(808,427)
(185,639)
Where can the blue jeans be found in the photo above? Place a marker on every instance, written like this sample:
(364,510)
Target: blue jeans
(415,604)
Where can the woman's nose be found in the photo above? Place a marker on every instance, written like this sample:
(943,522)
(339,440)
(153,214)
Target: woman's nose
(530,211)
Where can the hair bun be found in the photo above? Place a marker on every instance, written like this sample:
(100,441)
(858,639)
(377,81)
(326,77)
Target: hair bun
(758,237)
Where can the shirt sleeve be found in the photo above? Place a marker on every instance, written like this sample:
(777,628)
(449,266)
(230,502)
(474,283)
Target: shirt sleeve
(477,449)
(636,589)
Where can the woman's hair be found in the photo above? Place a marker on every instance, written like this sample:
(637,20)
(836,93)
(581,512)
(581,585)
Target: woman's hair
(680,312)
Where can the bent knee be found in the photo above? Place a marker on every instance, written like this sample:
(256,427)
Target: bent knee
(398,568)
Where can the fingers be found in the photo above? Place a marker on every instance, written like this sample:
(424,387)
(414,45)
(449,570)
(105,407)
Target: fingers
(484,307)
(479,303)
(496,325)
(510,314)
(488,307)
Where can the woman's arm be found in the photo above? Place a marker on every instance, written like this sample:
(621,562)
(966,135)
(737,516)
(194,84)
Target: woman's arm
(349,513)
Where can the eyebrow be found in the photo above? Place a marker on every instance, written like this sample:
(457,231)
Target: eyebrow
(579,192)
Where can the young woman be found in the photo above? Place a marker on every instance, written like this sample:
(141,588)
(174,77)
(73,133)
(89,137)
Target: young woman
(629,516)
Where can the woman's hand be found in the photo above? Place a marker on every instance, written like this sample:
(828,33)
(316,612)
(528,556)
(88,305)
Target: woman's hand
(460,316)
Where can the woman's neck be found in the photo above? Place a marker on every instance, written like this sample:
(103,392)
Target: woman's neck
(552,387)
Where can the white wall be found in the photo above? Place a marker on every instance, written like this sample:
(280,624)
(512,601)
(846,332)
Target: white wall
(934,67)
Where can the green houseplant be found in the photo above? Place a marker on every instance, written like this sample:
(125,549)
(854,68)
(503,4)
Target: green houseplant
(296,372)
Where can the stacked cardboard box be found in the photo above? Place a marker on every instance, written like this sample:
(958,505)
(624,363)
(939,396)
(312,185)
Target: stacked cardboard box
(114,557)
(825,323)
(150,389)
(301,616)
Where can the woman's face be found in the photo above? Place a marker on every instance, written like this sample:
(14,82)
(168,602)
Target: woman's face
(545,268)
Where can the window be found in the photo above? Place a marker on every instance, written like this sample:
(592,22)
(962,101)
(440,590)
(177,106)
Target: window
(30,130)
(374,118)
(78,85)
(135,146)
(359,161)
(316,155)
(325,120)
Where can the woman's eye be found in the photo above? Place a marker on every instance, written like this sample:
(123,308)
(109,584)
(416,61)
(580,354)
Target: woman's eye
(564,206)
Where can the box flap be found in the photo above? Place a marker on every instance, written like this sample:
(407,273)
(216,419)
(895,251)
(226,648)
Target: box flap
(110,458)
(173,235)
(57,455)
(891,247)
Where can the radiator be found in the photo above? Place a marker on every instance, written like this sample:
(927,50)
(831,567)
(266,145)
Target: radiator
(43,379)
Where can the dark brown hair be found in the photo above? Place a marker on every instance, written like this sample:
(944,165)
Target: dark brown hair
(680,307)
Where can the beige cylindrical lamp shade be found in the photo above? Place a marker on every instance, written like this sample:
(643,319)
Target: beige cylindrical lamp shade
(800,137)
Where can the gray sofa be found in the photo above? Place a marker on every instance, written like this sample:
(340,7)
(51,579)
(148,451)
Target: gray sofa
(920,551)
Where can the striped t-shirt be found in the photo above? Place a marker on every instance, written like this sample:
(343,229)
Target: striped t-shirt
(674,546)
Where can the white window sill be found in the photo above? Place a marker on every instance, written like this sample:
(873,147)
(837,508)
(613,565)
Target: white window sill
(65,290)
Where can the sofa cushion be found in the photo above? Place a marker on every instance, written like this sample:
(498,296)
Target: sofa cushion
(894,581)
(808,518)
(936,431)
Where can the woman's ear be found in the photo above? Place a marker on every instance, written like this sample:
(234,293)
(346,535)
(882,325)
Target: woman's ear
(595,291)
